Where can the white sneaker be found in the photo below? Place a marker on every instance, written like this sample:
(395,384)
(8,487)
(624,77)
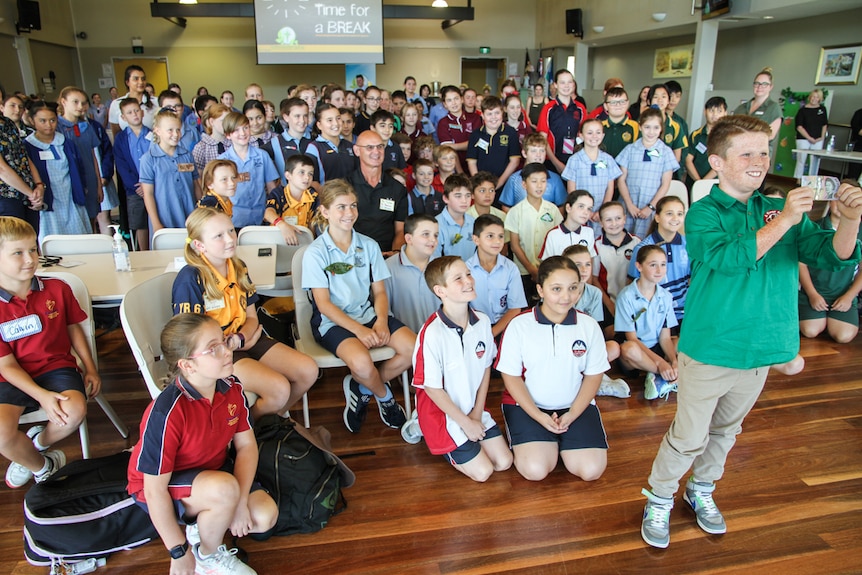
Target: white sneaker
(410,431)
(17,475)
(613,387)
(193,535)
(222,562)
(57,459)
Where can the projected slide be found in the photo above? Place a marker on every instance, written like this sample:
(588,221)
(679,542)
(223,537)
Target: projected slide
(319,31)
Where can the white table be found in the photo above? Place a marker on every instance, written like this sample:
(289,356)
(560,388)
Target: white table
(838,155)
(108,286)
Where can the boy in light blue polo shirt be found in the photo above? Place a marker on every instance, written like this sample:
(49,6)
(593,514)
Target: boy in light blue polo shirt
(410,298)
(456,227)
(498,285)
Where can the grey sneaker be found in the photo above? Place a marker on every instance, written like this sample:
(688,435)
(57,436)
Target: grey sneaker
(356,405)
(655,527)
(16,474)
(57,459)
(650,391)
(222,562)
(410,431)
(391,413)
(193,535)
(699,497)
(613,387)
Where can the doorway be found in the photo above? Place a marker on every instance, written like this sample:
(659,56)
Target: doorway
(477,72)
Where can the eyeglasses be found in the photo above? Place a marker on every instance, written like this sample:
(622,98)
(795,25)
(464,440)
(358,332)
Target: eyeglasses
(762,84)
(213,350)
(617,102)
(371,99)
(373,147)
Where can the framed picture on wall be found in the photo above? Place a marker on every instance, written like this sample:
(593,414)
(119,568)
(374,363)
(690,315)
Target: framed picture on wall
(839,65)
(673,62)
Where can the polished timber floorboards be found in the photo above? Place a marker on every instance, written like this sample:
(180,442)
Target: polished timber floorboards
(792,495)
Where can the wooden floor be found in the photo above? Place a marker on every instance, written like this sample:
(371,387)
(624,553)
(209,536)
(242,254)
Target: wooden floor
(792,494)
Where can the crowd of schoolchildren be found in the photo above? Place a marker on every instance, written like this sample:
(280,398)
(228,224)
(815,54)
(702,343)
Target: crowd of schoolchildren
(578,261)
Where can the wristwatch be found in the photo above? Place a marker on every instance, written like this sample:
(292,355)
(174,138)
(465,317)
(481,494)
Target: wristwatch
(179,551)
(650,206)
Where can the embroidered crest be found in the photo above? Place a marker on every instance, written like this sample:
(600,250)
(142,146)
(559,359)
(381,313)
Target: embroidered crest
(770,215)
(480,349)
(579,348)
(627,137)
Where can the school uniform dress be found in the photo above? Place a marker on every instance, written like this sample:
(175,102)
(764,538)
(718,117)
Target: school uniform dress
(60,168)
(532,226)
(410,298)
(514,192)
(254,172)
(172,178)
(618,136)
(349,285)
(455,360)
(678,268)
(645,168)
(645,317)
(592,176)
(615,262)
(181,430)
(561,237)
(499,290)
(455,239)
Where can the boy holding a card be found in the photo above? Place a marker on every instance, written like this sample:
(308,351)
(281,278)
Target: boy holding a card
(39,320)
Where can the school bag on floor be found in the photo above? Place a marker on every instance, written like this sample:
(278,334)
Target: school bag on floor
(83,511)
(298,468)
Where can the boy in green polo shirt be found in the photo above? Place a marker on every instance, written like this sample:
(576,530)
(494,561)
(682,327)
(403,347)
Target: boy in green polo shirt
(743,246)
(697,160)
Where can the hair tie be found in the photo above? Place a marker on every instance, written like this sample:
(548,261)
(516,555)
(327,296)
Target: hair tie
(188,240)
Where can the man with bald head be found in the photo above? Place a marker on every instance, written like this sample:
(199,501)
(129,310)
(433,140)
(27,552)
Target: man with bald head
(382,200)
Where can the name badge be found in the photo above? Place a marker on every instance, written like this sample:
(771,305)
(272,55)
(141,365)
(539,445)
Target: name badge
(387,205)
(243,177)
(149,137)
(20,328)
(482,145)
(758,113)
(700,147)
(213,304)
(46,155)
(292,220)
(186,167)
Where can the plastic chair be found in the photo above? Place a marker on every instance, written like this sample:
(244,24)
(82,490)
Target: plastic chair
(268,235)
(169,239)
(701,189)
(83,297)
(679,190)
(62,245)
(305,339)
(145,311)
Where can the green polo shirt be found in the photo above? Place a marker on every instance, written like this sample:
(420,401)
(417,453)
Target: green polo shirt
(832,284)
(618,136)
(698,150)
(741,312)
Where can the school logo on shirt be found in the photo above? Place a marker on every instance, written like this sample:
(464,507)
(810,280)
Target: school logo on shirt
(628,254)
(504,140)
(480,349)
(668,138)
(583,242)
(770,215)
(579,348)
(627,137)
(504,301)
(233,419)
(547,217)
(52,313)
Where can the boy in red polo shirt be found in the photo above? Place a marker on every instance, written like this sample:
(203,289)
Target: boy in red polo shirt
(39,320)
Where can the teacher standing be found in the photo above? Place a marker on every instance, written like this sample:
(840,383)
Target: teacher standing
(763,107)
(811,124)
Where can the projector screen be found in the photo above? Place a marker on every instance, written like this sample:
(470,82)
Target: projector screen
(319,31)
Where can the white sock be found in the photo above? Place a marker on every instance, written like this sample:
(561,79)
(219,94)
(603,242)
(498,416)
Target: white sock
(45,468)
(39,447)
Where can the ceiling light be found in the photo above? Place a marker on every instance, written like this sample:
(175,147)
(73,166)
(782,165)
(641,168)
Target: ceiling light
(188,1)
(659,16)
(439,4)
(598,29)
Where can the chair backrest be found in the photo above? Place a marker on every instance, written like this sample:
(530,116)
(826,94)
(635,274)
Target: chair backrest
(64,245)
(169,239)
(301,298)
(258,235)
(145,310)
(679,190)
(701,189)
(79,289)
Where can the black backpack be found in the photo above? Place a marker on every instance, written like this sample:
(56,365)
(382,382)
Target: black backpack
(301,473)
(83,511)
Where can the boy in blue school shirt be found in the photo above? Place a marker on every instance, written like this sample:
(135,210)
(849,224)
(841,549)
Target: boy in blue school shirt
(410,298)
(534,152)
(456,226)
(130,144)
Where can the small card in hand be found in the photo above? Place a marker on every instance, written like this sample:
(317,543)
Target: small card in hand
(825,187)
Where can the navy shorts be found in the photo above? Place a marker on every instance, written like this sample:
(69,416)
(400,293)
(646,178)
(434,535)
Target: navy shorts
(137,212)
(337,334)
(468,450)
(257,351)
(586,432)
(57,380)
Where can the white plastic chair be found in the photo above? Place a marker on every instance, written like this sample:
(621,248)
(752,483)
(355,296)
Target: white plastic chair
(169,239)
(306,343)
(145,311)
(701,189)
(63,245)
(679,190)
(268,235)
(39,416)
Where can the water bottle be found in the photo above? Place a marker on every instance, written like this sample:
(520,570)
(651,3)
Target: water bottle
(121,252)
(830,147)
